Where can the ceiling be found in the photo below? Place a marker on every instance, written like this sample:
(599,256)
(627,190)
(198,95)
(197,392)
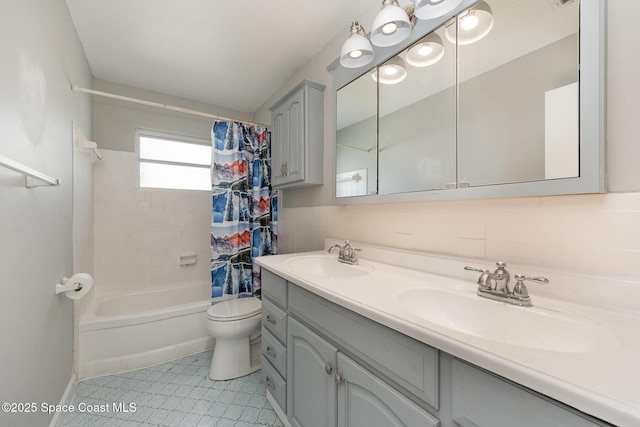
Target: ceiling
(234,53)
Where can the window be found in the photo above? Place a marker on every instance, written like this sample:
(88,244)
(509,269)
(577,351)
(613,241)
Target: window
(173,161)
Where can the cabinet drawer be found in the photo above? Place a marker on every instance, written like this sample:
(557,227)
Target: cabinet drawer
(274,288)
(274,320)
(481,399)
(410,364)
(275,384)
(275,353)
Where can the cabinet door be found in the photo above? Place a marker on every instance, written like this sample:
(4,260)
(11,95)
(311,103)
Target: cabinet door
(484,400)
(311,390)
(279,145)
(364,400)
(294,154)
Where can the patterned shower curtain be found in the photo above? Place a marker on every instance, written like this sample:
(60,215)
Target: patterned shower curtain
(244,221)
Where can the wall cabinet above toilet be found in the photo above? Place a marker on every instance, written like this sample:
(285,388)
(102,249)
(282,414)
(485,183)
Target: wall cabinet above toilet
(297,137)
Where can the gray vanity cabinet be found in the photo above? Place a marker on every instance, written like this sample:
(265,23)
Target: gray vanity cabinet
(481,399)
(317,369)
(311,388)
(345,370)
(364,400)
(297,137)
(274,337)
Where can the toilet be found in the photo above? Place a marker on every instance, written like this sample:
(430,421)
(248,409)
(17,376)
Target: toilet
(233,323)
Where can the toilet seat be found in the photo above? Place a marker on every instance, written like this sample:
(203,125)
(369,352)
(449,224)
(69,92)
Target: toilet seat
(234,309)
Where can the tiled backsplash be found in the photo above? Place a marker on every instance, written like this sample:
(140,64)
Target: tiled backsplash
(139,233)
(596,233)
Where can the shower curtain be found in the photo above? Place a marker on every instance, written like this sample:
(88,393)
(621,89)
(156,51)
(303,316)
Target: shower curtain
(244,220)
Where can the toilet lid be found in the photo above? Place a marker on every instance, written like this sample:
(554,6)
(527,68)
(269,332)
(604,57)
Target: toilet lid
(233,309)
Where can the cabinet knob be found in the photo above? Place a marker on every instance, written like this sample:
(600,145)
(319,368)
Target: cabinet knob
(338,379)
(328,369)
(270,352)
(271,320)
(269,384)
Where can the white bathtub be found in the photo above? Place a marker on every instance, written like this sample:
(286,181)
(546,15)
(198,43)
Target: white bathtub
(124,332)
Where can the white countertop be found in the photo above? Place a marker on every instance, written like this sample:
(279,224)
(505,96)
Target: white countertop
(604,383)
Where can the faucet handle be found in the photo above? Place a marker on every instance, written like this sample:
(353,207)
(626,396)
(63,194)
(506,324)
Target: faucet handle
(522,278)
(520,289)
(485,275)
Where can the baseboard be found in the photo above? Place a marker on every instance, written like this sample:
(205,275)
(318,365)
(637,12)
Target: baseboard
(66,399)
(279,412)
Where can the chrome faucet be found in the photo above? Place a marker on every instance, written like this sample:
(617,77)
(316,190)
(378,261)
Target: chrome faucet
(500,279)
(495,285)
(347,253)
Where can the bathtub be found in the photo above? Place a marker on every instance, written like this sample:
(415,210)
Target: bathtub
(125,332)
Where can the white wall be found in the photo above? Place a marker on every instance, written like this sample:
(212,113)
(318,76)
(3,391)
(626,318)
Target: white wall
(115,122)
(82,232)
(41,57)
(586,233)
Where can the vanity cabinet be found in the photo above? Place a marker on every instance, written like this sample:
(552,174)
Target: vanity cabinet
(311,394)
(297,137)
(318,370)
(345,370)
(481,399)
(274,337)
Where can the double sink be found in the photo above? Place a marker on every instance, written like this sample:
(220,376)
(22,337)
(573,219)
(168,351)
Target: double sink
(549,325)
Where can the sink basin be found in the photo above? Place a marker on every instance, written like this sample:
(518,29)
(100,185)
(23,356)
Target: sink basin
(326,266)
(532,327)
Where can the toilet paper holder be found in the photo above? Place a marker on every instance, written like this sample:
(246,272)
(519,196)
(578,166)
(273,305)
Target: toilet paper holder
(75,286)
(66,286)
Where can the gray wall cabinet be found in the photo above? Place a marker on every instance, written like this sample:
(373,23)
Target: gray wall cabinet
(297,137)
(345,370)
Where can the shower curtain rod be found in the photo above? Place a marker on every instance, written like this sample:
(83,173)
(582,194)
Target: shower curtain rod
(160,105)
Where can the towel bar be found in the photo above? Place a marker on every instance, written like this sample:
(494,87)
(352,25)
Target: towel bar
(33,178)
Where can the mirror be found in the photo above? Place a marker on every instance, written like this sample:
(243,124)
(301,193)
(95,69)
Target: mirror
(417,134)
(356,136)
(518,95)
(505,114)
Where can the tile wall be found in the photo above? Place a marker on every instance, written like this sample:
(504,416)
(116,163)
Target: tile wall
(139,233)
(598,233)
(82,234)
(82,214)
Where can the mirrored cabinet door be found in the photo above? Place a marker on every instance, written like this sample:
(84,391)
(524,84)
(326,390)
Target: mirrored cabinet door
(518,94)
(357,136)
(502,98)
(417,132)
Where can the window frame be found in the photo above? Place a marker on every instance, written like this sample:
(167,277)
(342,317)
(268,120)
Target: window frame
(173,137)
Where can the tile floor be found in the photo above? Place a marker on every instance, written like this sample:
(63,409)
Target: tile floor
(173,394)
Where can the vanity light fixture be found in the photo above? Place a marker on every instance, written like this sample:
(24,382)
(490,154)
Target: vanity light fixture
(473,24)
(391,72)
(357,50)
(430,9)
(426,52)
(391,25)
